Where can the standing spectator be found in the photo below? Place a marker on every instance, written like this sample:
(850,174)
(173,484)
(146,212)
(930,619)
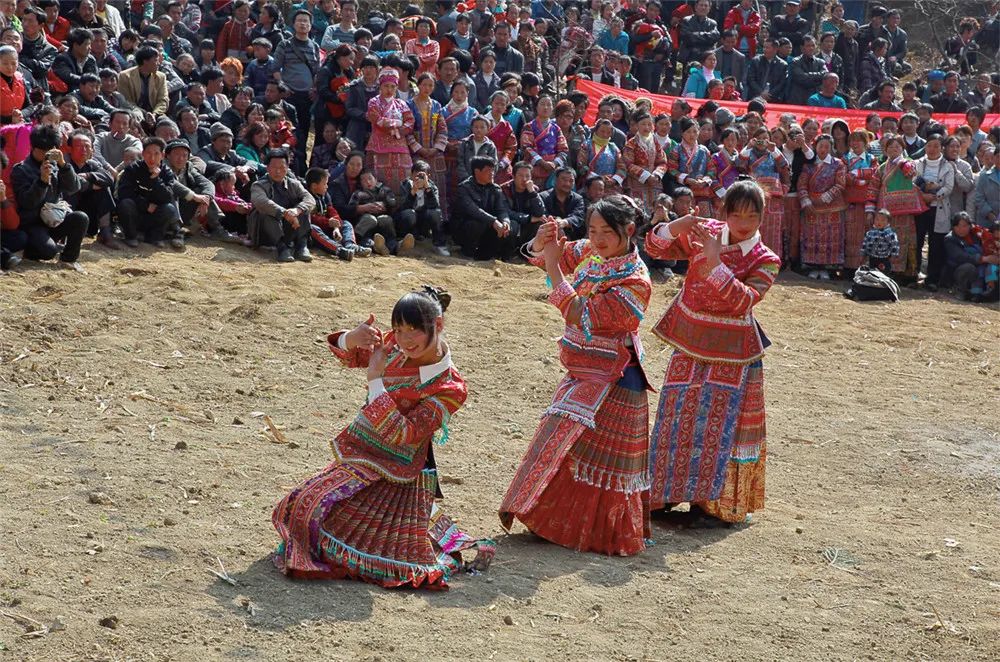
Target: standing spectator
(359,92)
(144,86)
(652,49)
(146,200)
(699,77)
(949,100)
(391,120)
(881,244)
(614,38)
(644,162)
(234,38)
(297,60)
(461,38)
(481,224)
(43,181)
(874,29)
(745,19)
(962,194)
(806,73)
(425,49)
(913,143)
(76,61)
(986,199)
(936,180)
(893,188)
(821,195)
(961,49)
(342,32)
(834,63)
(872,69)
(269,26)
(509,59)
(791,26)
(767,75)
(486,80)
(698,33)
(848,49)
(898,44)
(475,144)
(731,62)
(543,144)
(37,54)
(282,206)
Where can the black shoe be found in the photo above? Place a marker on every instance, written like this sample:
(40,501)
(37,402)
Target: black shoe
(930,287)
(345,254)
(284,254)
(302,254)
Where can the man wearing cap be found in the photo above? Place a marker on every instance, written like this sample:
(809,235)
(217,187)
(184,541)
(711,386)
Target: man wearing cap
(766,75)
(791,26)
(220,154)
(146,200)
(194,192)
(281,208)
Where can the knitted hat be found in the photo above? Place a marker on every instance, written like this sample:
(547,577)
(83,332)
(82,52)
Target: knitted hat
(177,144)
(219,129)
(388,75)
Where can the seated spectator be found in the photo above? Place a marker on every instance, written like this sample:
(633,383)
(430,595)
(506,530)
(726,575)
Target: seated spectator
(476,144)
(255,145)
(234,38)
(94,198)
(144,86)
(234,117)
(524,203)
(480,222)
(827,96)
(74,62)
(885,98)
(420,208)
(195,193)
(109,89)
(111,145)
(987,194)
(949,100)
(282,206)
(966,267)
(147,204)
(565,205)
(261,69)
(41,184)
(191,130)
(91,104)
(216,95)
(99,49)
(330,232)
(12,238)
(220,153)
(235,209)
(961,49)
(13,89)
(195,98)
(873,67)
(377,203)
(57,27)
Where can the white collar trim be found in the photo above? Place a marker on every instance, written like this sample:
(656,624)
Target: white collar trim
(429,372)
(745,246)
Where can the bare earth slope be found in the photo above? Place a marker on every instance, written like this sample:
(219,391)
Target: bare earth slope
(884,452)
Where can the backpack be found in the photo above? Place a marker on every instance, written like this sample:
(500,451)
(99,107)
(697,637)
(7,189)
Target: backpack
(872,285)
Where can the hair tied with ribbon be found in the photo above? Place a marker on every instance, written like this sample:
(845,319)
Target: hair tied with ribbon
(438,294)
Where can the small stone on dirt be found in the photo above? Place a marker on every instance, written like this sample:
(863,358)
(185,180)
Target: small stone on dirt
(508,620)
(169,521)
(799,529)
(237,420)
(110,622)
(99,498)
(327,292)
(180,446)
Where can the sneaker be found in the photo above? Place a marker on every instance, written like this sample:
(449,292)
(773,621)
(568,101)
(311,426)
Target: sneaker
(361,251)
(73,266)
(930,287)
(177,243)
(345,254)
(824,275)
(380,248)
(814,274)
(302,254)
(667,272)
(13,261)
(246,241)
(132,243)
(406,245)
(442,251)
(284,254)
(221,234)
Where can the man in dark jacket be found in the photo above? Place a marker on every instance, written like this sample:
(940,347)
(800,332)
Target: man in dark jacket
(767,75)
(420,208)
(281,211)
(45,177)
(76,60)
(194,193)
(508,57)
(95,197)
(37,54)
(791,26)
(92,104)
(480,222)
(698,33)
(220,154)
(566,205)
(898,44)
(730,62)
(805,75)
(848,49)
(874,29)
(651,61)
(524,202)
(146,200)
(949,100)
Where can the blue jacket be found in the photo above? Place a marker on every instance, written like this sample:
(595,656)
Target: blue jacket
(697,84)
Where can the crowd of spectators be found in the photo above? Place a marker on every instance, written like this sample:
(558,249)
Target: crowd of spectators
(296,127)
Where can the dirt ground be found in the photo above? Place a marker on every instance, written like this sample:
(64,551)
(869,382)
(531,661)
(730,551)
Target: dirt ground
(136,458)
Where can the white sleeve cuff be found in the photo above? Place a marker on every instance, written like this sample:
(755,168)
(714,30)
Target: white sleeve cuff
(807,152)
(721,193)
(376,387)
(617,178)
(342,341)
(682,177)
(644,176)
(663,232)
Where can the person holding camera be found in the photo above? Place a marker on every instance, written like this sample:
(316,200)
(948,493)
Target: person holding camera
(420,211)
(41,183)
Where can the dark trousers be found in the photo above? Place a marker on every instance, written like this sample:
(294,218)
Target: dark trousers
(212,219)
(936,257)
(43,241)
(135,217)
(303,112)
(11,241)
(96,205)
(274,231)
(649,75)
(883,264)
(925,228)
(368,225)
(483,243)
(526,232)
(423,222)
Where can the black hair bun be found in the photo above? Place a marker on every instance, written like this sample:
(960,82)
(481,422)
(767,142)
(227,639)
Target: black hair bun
(438,294)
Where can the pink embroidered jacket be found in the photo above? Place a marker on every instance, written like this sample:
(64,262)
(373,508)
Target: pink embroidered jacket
(392,432)
(711,318)
(392,122)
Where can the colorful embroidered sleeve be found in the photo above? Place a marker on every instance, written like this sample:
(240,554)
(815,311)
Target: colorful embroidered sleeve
(874,188)
(385,428)
(674,165)
(661,246)
(744,295)
(574,252)
(660,166)
(619,309)
(562,147)
(440,132)
(509,148)
(353,358)
(803,185)
(632,167)
(528,145)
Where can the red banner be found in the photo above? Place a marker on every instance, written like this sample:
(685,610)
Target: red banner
(661,104)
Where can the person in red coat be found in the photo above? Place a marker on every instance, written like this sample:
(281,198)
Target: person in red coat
(746,20)
(13,91)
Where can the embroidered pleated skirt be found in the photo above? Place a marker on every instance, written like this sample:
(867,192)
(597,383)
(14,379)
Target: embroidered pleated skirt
(391,169)
(907,263)
(822,237)
(347,522)
(587,488)
(790,227)
(855,227)
(708,443)
(772,225)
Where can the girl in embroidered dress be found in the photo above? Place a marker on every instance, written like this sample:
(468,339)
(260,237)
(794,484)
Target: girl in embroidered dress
(429,139)
(688,165)
(582,483)
(391,121)
(821,194)
(371,515)
(600,156)
(861,166)
(765,163)
(723,167)
(544,145)
(645,162)
(503,136)
(458,116)
(708,443)
(892,188)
